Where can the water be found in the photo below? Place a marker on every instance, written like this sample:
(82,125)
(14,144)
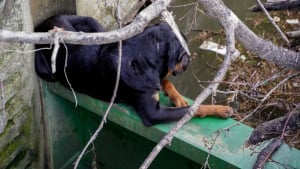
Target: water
(204,64)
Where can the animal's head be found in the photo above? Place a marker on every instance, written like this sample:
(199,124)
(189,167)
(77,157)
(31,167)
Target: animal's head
(178,62)
(178,59)
(172,56)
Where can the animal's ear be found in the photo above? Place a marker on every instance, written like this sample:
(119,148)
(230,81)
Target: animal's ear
(173,54)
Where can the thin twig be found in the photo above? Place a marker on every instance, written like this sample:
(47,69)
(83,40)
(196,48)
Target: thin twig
(54,52)
(205,165)
(184,16)
(269,93)
(262,101)
(258,107)
(96,133)
(66,76)
(29,51)
(56,31)
(194,19)
(183,5)
(225,82)
(273,22)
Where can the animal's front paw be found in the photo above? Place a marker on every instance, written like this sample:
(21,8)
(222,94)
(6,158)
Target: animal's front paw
(225,111)
(214,110)
(179,101)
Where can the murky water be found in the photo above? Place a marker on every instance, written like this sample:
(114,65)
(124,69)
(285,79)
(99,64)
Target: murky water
(204,64)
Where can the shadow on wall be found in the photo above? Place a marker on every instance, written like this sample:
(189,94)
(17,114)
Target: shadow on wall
(43,9)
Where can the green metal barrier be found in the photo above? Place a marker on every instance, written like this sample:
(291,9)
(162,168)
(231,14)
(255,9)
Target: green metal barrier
(125,142)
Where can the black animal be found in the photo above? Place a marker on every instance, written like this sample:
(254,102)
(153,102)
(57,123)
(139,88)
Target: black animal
(147,59)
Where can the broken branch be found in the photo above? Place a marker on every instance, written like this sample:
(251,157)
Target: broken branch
(273,22)
(267,152)
(275,127)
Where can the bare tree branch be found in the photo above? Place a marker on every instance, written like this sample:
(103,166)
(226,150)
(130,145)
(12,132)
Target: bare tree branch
(167,17)
(273,128)
(273,22)
(260,47)
(137,26)
(266,49)
(56,47)
(54,54)
(267,152)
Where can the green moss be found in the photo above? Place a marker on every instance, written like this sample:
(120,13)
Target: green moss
(14,77)
(13,83)
(1,59)
(3,56)
(8,126)
(27,127)
(12,105)
(24,142)
(10,152)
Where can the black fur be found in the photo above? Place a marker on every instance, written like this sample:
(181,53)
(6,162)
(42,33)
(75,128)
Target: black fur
(146,60)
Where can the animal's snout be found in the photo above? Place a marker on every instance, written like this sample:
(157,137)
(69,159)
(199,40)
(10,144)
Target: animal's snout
(182,64)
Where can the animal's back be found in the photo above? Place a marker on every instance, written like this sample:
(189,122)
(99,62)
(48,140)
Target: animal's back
(90,69)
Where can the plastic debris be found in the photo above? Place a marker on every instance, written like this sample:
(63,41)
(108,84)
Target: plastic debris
(220,49)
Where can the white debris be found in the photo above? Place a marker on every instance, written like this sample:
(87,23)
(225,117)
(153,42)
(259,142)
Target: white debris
(293,21)
(276,19)
(220,49)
